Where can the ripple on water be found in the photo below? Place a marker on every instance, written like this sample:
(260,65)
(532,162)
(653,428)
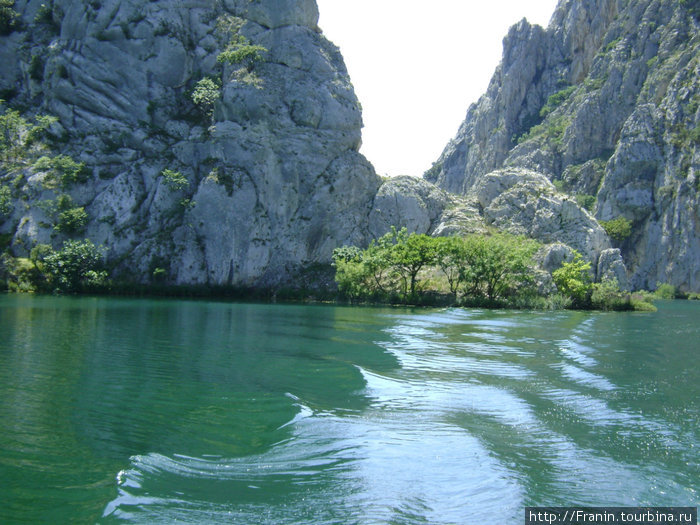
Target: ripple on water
(171,411)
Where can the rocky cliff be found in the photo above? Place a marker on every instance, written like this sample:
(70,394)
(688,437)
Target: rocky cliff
(605,103)
(211,141)
(216,141)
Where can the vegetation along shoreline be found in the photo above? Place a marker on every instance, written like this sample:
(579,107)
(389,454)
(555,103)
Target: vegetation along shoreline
(496,270)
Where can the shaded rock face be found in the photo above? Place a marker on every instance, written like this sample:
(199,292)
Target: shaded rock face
(605,100)
(274,177)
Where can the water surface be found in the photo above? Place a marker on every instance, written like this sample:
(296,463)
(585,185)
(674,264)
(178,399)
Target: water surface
(145,411)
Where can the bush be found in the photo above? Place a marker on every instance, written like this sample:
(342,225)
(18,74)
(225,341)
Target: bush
(12,129)
(174,180)
(72,221)
(238,49)
(556,100)
(587,202)
(665,291)
(617,229)
(640,303)
(205,94)
(573,280)
(245,55)
(78,266)
(8,17)
(62,171)
(6,204)
(606,295)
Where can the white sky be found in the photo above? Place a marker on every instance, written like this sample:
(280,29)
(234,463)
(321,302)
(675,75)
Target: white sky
(417,66)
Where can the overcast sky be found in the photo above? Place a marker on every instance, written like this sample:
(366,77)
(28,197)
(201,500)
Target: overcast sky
(417,66)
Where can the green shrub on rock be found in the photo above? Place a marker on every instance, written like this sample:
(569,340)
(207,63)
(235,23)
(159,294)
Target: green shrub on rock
(205,94)
(174,180)
(72,221)
(8,17)
(617,229)
(5,202)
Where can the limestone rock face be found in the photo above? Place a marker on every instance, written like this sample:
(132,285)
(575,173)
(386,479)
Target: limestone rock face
(422,207)
(605,102)
(527,203)
(610,267)
(274,180)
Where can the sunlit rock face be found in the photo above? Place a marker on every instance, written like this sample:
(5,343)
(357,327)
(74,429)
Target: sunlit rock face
(274,177)
(604,102)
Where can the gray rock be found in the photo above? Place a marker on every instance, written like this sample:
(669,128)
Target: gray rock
(526,203)
(421,207)
(274,179)
(606,100)
(611,267)
(552,256)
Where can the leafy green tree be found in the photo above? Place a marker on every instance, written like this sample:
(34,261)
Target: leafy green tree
(409,255)
(451,258)
(377,262)
(390,268)
(238,50)
(346,254)
(665,291)
(353,277)
(573,279)
(244,54)
(498,264)
(369,274)
(78,266)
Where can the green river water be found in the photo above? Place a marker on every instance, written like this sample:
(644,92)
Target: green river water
(150,411)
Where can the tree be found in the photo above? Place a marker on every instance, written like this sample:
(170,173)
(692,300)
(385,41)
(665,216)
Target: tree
(409,255)
(497,264)
(238,50)
(243,54)
(451,259)
(78,266)
(12,126)
(72,220)
(573,279)
(62,170)
(352,276)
